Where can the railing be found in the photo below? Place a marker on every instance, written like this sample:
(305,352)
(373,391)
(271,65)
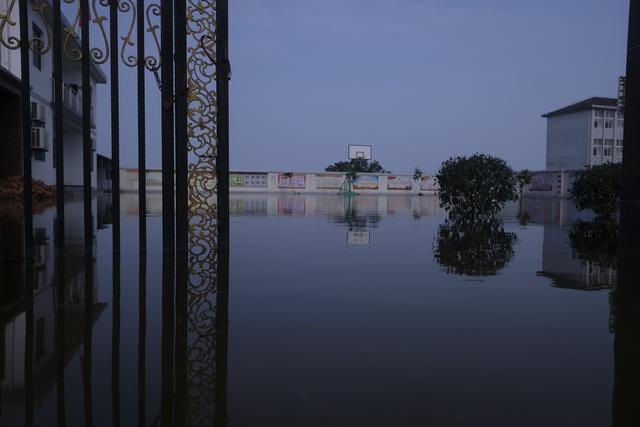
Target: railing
(72,100)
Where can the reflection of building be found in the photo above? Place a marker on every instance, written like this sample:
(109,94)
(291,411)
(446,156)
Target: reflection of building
(584,134)
(41,76)
(562,265)
(43,315)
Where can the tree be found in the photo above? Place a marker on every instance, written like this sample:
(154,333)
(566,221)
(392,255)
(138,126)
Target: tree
(598,188)
(357,165)
(475,188)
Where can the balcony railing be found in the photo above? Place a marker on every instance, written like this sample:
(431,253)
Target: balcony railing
(72,100)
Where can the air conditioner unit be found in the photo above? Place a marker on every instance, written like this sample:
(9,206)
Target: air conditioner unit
(39,140)
(38,113)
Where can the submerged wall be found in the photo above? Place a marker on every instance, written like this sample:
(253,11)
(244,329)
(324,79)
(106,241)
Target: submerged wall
(543,183)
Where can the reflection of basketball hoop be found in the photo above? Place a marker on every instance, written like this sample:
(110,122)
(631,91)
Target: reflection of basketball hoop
(355,152)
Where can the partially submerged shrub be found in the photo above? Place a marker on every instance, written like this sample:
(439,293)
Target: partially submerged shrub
(598,188)
(476,187)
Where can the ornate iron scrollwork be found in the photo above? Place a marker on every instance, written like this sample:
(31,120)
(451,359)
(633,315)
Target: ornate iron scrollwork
(202,134)
(153,62)
(97,55)
(126,6)
(36,44)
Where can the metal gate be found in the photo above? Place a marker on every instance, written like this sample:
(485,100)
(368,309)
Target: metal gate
(188,61)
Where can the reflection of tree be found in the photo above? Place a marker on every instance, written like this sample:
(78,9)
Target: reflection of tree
(596,242)
(473,249)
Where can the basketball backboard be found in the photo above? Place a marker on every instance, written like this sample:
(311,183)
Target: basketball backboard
(359,152)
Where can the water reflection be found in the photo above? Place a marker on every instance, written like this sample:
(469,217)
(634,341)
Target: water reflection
(479,249)
(63,341)
(321,333)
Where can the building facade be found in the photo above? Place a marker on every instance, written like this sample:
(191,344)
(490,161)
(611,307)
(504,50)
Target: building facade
(42,98)
(584,134)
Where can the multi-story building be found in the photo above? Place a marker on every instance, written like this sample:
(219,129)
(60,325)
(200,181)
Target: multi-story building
(584,134)
(41,77)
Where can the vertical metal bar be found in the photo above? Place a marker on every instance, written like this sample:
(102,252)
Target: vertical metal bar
(115,124)
(166,55)
(87,357)
(88,220)
(626,344)
(142,180)
(182,209)
(26,129)
(168,238)
(28,344)
(115,204)
(58,134)
(222,168)
(168,318)
(86,129)
(222,338)
(631,155)
(142,335)
(115,342)
(60,320)
(222,83)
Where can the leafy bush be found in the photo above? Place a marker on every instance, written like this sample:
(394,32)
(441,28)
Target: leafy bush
(598,188)
(476,187)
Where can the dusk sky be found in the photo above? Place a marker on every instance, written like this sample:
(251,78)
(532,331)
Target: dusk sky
(418,80)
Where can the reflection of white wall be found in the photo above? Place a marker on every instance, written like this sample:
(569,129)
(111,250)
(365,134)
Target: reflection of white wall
(560,262)
(44,299)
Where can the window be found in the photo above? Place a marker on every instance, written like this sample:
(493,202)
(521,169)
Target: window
(597,151)
(597,123)
(607,152)
(618,152)
(608,142)
(597,141)
(608,124)
(39,155)
(620,123)
(598,113)
(37,57)
(609,114)
(618,143)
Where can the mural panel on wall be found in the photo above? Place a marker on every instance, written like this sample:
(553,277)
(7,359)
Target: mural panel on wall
(329,181)
(399,183)
(365,182)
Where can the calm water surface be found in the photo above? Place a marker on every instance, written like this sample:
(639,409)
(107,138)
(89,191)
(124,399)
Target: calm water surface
(341,314)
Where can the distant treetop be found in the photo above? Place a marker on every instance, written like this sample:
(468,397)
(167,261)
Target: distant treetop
(357,165)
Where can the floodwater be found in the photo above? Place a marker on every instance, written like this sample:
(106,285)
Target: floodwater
(341,313)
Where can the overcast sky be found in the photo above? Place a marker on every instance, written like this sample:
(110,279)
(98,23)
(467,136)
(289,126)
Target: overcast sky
(420,80)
